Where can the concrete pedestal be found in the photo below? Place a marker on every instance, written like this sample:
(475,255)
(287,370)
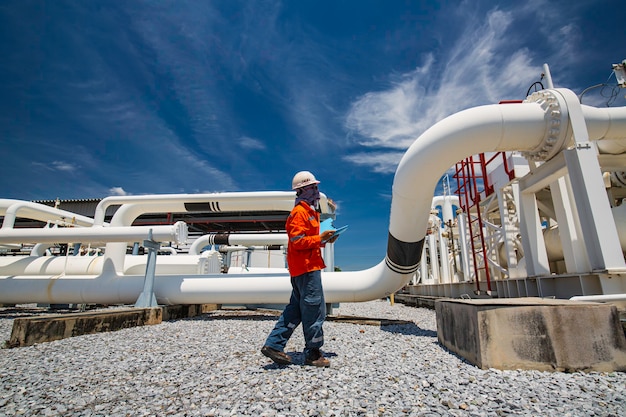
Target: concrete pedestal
(533,333)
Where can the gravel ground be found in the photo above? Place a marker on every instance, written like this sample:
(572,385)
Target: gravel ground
(211,366)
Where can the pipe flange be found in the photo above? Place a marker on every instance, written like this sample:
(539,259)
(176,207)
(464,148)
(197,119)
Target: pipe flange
(556,117)
(181,232)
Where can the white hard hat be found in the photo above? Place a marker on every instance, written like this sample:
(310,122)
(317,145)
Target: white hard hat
(302,179)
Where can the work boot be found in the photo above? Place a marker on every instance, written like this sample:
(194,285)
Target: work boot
(276,355)
(317,359)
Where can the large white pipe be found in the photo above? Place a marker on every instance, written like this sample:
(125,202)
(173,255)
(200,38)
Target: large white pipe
(171,233)
(554,246)
(212,202)
(525,127)
(254,287)
(93,265)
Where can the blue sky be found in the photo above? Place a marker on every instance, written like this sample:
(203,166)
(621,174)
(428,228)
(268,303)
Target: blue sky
(113,97)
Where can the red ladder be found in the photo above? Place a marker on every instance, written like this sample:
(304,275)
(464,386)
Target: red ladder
(467,177)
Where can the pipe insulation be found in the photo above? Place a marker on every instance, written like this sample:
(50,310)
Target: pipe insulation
(535,127)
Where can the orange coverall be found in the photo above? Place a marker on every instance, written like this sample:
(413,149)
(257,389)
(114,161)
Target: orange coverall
(303,250)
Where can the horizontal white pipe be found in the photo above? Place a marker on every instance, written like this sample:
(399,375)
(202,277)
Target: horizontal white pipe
(552,236)
(245,239)
(271,288)
(12,209)
(215,202)
(170,233)
(93,265)
(604,298)
(11,246)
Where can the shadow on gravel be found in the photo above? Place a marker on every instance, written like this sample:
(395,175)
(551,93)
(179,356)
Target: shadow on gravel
(239,315)
(389,325)
(11,313)
(410,329)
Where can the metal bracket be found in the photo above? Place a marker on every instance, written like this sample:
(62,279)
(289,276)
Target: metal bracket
(147,297)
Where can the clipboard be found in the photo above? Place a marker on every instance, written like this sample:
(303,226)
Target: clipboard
(340,230)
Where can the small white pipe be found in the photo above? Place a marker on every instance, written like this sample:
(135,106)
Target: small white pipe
(548,76)
(11,246)
(40,249)
(236,248)
(249,239)
(168,249)
(606,126)
(446,202)
(605,298)
(171,233)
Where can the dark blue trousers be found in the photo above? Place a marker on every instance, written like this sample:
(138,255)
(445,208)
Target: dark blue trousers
(306,306)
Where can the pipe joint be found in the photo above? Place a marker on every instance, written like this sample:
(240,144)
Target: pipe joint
(556,118)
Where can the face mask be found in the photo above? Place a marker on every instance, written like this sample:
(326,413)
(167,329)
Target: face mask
(310,194)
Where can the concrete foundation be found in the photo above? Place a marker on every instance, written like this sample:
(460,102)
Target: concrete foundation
(416,300)
(28,331)
(533,333)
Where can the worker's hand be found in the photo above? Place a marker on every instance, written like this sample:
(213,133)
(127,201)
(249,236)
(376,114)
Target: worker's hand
(327,236)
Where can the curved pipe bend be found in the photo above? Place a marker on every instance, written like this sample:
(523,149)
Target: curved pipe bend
(492,128)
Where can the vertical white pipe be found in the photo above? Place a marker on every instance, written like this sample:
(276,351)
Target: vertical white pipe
(548,76)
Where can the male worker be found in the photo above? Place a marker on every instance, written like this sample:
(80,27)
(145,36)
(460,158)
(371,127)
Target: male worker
(304,260)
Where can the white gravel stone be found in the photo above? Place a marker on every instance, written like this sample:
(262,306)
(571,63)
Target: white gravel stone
(211,366)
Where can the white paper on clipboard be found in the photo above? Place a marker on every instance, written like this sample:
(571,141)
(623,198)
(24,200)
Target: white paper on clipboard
(328,225)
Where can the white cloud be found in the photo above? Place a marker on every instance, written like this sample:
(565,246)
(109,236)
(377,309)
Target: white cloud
(117,191)
(380,162)
(62,166)
(484,66)
(386,118)
(251,143)
(57,166)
